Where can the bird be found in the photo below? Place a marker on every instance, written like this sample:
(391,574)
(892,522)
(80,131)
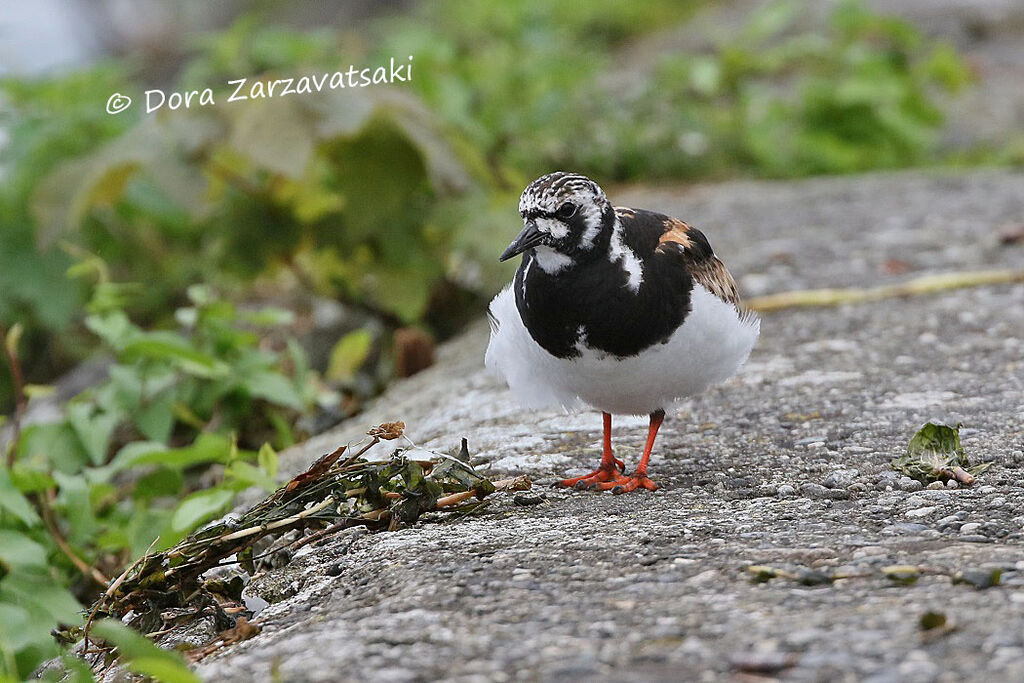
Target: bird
(621,310)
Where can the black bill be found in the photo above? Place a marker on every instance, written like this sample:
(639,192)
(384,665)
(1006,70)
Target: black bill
(529,238)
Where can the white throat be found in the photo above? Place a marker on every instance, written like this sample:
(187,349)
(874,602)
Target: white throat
(550,261)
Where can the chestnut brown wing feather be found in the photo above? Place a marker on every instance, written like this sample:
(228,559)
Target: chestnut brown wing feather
(699,259)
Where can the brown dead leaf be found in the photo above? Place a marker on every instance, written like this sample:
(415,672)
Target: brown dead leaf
(387,431)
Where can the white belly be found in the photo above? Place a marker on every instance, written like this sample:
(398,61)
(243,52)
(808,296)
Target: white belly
(708,348)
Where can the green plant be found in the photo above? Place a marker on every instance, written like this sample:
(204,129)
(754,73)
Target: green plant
(520,80)
(46,122)
(935,454)
(337,192)
(525,83)
(180,426)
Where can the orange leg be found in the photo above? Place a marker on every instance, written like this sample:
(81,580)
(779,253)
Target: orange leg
(610,466)
(639,478)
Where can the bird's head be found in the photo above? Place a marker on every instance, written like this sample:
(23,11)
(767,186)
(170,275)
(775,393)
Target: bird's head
(566,219)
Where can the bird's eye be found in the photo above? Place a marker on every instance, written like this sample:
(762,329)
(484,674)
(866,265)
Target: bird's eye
(567,210)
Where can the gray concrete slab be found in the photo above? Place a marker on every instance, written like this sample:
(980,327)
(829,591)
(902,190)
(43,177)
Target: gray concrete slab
(786,464)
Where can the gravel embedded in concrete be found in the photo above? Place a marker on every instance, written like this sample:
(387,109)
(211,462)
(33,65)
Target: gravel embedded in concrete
(786,465)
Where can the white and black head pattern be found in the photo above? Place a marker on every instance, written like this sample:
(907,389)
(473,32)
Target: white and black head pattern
(567,218)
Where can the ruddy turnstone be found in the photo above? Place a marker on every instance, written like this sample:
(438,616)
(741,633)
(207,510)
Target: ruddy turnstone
(623,310)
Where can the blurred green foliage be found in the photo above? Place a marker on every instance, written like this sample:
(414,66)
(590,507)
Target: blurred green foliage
(519,79)
(537,86)
(47,122)
(183,422)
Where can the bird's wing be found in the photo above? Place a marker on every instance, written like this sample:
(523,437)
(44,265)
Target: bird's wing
(699,259)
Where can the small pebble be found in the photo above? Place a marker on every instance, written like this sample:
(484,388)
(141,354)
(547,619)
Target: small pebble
(813,490)
(908,484)
(975,538)
(524,500)
(970,528)
(841,479)
(786,490)
(921,512)
(935,485)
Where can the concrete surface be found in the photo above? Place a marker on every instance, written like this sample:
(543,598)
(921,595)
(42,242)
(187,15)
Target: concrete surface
(785,465)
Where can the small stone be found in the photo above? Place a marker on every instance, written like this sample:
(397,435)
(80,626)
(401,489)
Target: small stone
(841,479)
(887,478)
(524,500)
(921,512)
(908,484)
(975,538)
(997,502)
(811,440)
(812,490)
(762,662)
(970,528)
(935,485)
(952,484)
(904,528)
(786,491)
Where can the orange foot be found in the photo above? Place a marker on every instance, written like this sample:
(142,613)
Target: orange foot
(623,484)
(600,475)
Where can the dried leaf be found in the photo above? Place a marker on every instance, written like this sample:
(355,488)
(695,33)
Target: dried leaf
(932,620)
(903,575)
(388,431)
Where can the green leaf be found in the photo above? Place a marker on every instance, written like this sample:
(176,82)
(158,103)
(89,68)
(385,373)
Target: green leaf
(93,428)
(937,438)
(268,316)
(249,475)
(201,507)
(206,448)
(20,629)
(349,354)
(156,419)
(267,459)
(274,387)
(171,347)
(114,328)
(14,502)
(163,481)
(55,443)
(37,591)
(29,479)
(274,134)
(18,550)
(142,656)
(74,500)
(935,454)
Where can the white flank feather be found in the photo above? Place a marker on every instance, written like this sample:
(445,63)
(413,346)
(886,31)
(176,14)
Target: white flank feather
(710,345)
